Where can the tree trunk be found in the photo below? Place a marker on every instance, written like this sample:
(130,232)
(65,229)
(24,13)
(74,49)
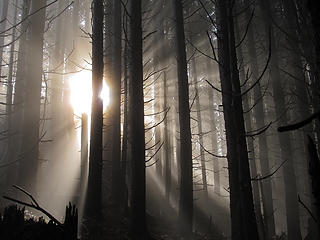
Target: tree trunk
(19,93)
(9,109)
(292,208)
(28,167)
(186,176)
(93,201)
(200,132)
(138,187)
(115,101)
(243,221)
(166,149)
(259,114)
(252,159)
(124,150)
(213,130)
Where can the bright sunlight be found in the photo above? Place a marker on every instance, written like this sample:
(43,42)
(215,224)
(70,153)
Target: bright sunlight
(81,92)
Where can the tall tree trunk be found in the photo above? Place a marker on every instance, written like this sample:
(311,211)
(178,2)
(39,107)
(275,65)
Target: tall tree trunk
(9,108)
(56,83)
(124,150)
(83,163)
(292,208)
(243,221)
(30,149)
(19,87)
(115,89)
(186,176)
(166,149)
(259,114)
(93,201)
(213,130)
(200,132)
(251,149)
(138,187)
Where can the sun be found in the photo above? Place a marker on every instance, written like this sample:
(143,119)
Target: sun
(81,92)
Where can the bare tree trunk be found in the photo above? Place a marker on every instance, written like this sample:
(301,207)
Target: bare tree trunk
(292,208)
(186,178)
(200,132)
(9,108)
(259,114)
(83,163)
(28,167)
(19,93)
(57,57)
(115,104)
(138,187)
(251,149)
(124,150)
(213,130)
(243,221)
(93,201)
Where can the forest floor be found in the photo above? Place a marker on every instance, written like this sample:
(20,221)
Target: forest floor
(160,228)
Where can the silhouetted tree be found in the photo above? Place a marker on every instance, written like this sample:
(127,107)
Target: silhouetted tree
(93,198)
(186,176)
(138,179)
(243,221)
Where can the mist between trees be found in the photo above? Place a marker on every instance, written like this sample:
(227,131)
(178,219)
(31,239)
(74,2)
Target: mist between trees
(159,119)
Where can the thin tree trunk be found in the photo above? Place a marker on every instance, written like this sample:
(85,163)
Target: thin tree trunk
(200,132)
(213,130)
(292,208)
(250,143)
(259,114)
(9,108)
(166,150)
(83,163)
(124,150)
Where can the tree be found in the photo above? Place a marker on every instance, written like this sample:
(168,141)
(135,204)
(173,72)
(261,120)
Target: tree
(259,114)
(186,176)
(93,199)
(292,208)
(31,116)
(115,104)
(138,171)
(243,221)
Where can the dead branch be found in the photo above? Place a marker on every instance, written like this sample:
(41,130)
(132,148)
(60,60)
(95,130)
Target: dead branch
(34,204)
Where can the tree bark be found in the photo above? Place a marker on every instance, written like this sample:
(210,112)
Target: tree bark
(186,175)
(93,201)
(138,187)
(115,99)
(243,221)
(30,149)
